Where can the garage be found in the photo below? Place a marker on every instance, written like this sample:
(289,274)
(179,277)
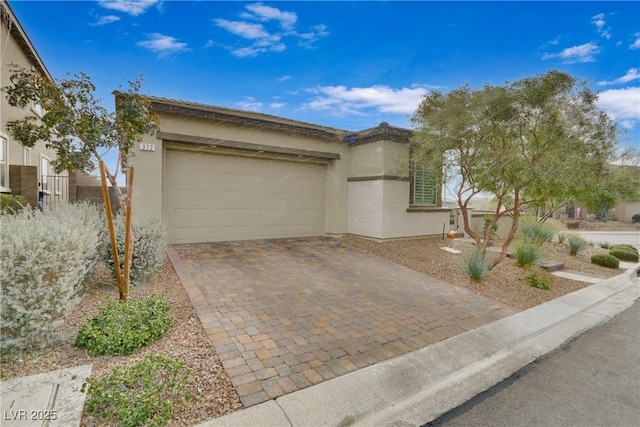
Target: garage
(212,197)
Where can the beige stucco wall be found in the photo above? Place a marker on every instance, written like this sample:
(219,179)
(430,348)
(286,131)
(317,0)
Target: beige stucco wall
(379,158)
(13,54)
(150,167)
(625,210)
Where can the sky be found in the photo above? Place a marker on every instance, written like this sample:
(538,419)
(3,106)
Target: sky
(346,65)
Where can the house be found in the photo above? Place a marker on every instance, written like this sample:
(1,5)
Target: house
(219,174)
(23,171)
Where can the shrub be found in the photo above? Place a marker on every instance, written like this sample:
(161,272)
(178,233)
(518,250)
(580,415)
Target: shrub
(485,228)
(10,204)
(539,281)
(45,257)
(146,393)
(605,245)
(562,237)
(606,260)
(572,225)
(536,232)
(526,252)
(149,244)
(475,265)
(625,247)
(624,255)
(124,327)
(576,244)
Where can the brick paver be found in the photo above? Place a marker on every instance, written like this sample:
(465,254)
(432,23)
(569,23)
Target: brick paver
(286,314)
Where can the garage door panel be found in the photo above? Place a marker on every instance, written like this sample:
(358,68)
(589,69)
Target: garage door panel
(216,198)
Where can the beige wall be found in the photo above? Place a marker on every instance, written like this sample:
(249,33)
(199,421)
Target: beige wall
(625,210)
(13,54)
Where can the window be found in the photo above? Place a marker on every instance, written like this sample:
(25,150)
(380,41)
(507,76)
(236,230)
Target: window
(44,172)
(26,158)
(3,161)
(424,188)
(37,109)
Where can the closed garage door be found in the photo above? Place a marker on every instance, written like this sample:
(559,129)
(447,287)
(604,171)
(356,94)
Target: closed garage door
(212,198)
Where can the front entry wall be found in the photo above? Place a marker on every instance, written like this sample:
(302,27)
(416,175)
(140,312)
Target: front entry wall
(212,197)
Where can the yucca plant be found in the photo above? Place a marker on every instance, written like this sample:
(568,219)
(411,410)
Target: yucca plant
(475,265)
(576,244)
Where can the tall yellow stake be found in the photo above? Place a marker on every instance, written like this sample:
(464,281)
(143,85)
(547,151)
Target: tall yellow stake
(112,231)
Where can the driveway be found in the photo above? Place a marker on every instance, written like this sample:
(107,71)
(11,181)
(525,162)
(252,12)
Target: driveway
(286,314)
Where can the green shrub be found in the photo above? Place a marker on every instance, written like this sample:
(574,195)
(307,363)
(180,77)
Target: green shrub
(624,255)
(625,247)
(44,258)
(149,235)
(605,245)
(526,252)
(562,237)
(146,393)
(536,232)
(606,260)
(576,244)
(10,204)
(539,281)
(475,265)
(124,327)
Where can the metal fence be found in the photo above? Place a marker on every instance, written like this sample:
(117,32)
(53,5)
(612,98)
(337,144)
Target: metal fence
(54,189)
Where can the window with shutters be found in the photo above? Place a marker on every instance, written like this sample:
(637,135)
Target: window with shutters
(424,188)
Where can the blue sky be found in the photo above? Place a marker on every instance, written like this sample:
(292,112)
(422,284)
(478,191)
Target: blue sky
(348,65)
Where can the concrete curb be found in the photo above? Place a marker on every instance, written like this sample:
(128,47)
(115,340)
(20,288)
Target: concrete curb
(418,387)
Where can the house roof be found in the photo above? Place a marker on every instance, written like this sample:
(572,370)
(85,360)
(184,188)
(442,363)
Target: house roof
(10,21)
(233,116)
(244,118)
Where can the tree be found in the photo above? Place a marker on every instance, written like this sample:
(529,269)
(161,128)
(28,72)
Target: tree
(80,129)
(525,143)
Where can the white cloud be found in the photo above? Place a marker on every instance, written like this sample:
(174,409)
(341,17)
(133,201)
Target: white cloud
(250,104)
(103,20)
(636,43)
(356,100)
(163,45)
(132,7)
(257,26)
(582,53)
(632,74)
(261,12)
(623,105)
(600,23)
(276,105)
(284,78)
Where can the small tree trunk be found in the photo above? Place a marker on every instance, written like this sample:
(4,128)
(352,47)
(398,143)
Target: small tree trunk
(112,233)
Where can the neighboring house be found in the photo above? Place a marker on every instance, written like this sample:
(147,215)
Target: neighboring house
(23,171)
(218,174)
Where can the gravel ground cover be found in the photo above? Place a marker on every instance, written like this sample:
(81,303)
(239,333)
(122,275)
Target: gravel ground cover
(213,392)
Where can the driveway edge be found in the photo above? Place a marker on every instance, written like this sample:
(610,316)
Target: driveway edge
(418,387)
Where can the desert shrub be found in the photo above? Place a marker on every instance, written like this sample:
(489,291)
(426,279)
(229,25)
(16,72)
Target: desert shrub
(536,232)
(539,281)
(624,255)
(526,252)
(606,260)
(572,225)
(146,393)
(45,257)
(605,245)
(625,247)
(10,204)
(562,237)
(124,327)
(576,244)
(149,244)
(475,265)
(485,227)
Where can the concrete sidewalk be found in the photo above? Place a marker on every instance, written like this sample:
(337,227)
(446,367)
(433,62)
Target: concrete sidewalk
(416,388)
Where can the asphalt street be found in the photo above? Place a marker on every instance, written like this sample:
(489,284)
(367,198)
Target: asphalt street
(593,380)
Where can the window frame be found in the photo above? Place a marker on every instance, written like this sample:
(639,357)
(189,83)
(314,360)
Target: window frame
(4,163)
(44,177)
(421,177)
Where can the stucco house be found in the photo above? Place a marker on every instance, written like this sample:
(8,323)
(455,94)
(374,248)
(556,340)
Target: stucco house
(219,174)
(23,171)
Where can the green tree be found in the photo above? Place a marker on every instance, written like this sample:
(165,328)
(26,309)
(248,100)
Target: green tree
(78,127)
(524,143)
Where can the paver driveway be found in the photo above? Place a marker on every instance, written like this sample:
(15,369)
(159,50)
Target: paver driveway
(286,314)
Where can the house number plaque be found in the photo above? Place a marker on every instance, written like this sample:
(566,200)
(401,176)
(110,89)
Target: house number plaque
(147,147)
